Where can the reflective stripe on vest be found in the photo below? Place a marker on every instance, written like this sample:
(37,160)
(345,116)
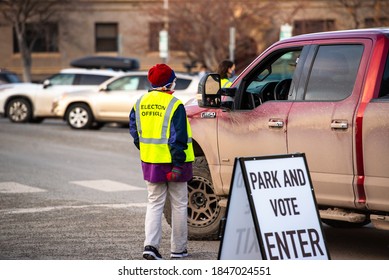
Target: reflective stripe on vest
(225,83)
(154,139)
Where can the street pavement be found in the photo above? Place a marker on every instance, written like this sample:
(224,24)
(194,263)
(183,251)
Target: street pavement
(84,232)
(80,195)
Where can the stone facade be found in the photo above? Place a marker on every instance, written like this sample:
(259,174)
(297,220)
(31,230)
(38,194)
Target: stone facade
(77,27)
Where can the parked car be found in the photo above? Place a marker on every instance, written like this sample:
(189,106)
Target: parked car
(31,102)
(7,77)
(112,101)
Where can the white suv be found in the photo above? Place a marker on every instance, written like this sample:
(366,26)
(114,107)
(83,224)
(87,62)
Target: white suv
(29,102)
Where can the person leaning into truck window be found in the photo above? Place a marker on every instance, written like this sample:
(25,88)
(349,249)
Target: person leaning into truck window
(226,70)
(161,131)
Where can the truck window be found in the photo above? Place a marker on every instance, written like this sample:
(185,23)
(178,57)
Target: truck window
(271,81)
(333,72)
(384,90)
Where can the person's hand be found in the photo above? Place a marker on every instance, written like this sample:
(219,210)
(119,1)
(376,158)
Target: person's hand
(174,175)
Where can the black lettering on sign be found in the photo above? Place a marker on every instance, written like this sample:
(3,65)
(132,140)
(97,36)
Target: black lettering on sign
(294,178)
(253,179)
(284,206)
(303,243)
(265,180)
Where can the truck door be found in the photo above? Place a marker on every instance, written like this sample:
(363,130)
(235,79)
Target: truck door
(375,142)
(256,125)
(321,121)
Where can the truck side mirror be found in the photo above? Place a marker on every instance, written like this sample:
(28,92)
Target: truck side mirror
(209,95)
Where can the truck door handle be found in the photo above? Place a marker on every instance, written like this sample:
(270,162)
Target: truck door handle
(338,124)
(275,123)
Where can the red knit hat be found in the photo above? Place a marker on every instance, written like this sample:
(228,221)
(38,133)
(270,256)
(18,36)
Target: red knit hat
(160,75)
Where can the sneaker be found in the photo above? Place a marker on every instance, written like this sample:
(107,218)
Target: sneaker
(151,253)
(179,255)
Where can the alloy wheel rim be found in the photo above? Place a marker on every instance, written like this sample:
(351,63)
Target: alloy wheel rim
(203,203)
(18,111)
(78,117)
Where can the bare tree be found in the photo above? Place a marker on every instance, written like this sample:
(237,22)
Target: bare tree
(381,13)
(20,13)
(201,29)
(356,9)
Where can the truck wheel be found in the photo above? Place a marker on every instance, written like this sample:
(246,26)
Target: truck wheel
(19,110)
(79,116)
(204,212)
(344,224)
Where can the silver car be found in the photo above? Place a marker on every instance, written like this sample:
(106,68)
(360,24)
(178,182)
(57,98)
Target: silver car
(113,100)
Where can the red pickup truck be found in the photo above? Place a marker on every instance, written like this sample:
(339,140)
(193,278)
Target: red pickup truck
(325,95)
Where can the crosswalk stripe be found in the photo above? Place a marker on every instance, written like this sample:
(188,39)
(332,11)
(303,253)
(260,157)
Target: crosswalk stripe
(107,185)
(64,207)
(13,187)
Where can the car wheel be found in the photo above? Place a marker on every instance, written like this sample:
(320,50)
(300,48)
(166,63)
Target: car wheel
(204,212)
(79,116)
(19,110)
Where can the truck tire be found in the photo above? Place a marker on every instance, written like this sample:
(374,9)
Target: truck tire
(204,212)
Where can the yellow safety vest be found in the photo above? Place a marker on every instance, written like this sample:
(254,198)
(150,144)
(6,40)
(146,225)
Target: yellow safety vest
(225,83)
(154,112)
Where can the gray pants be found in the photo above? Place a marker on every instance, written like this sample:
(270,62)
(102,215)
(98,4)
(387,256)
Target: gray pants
(178,194)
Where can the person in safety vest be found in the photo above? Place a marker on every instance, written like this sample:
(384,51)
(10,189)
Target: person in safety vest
(161,131)
(226,70)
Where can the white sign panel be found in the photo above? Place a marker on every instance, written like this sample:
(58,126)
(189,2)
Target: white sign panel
(285,208)
(239,239)
(282,209)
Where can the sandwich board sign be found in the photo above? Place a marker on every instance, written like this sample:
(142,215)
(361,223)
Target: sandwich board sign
(272,212)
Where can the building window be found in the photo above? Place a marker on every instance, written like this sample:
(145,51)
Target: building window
(155,27)
(39,38)
(106,37)
(312,26)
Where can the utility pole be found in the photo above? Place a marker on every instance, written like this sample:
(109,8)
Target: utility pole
(232,43)
(164,34)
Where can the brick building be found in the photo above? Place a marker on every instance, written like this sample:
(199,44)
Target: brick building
(129,28)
